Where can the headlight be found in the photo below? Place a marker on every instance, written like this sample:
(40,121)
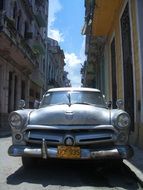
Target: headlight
(123,120)
(15,120)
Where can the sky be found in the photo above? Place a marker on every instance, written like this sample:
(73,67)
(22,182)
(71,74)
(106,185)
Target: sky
(66,19)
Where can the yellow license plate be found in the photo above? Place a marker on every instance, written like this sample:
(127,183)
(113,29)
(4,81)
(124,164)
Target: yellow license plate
(70,152)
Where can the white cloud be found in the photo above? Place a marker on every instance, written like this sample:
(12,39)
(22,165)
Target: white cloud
(55,34)
(73,66)
(54,8)
(72,60)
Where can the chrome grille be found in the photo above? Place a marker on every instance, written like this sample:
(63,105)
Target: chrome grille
(81,136)
(94,138)
(36,136)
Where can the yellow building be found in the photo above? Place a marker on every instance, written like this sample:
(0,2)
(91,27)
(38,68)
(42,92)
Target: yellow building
(119,22)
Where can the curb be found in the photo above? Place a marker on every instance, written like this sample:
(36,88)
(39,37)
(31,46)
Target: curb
(135,170)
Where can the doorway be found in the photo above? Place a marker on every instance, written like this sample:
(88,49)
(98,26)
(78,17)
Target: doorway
(127,64)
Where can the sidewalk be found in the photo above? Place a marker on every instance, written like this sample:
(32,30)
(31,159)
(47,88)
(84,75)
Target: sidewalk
(137,159)
(135,164)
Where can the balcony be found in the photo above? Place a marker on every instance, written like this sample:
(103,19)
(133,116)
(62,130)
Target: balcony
(28,8)
(10,23)
(104,12)
(27,49)
(13,45)
(38,46)
(41,18)
(38,77)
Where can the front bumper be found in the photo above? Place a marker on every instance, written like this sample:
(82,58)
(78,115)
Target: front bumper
(118,152)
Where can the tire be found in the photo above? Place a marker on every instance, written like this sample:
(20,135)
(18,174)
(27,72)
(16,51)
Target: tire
(29,162)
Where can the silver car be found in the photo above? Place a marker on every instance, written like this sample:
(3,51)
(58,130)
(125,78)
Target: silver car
(70,123)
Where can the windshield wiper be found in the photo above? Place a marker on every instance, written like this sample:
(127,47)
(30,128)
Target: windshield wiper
(69,98)
(86,103)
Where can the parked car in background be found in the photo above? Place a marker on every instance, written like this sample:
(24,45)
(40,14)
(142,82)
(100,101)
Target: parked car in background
(70,123)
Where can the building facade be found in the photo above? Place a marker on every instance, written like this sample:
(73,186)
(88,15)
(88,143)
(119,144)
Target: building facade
(120,24)
(55,62)
(23,30)
(66,81)
(92,72)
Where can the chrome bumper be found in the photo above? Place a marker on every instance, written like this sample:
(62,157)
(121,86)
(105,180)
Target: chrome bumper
(119,152)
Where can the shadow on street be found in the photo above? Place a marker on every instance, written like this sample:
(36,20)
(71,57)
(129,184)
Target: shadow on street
(74,175)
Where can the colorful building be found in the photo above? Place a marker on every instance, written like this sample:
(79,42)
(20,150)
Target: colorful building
(119,68)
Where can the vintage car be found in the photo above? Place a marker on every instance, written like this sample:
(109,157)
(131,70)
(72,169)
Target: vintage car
(70,123)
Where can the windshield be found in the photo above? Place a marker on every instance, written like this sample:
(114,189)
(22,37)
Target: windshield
(73,97)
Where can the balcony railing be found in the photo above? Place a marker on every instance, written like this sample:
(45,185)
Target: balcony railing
(38,77)
(9,29)
(41,18)
(10,24)
(27,49)
(38,45)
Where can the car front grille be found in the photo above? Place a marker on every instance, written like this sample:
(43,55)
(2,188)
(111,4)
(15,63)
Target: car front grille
(81,136)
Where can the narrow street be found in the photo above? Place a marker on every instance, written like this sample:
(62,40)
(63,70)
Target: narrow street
(71,75)
(60,176)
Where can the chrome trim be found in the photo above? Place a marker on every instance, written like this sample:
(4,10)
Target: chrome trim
(105,154)
(94,138)
(82,135)
(84,139)
(31,137)
(122,152)
(71,127)
(44,149)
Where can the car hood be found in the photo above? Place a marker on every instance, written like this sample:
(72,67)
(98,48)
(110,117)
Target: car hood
(70,115)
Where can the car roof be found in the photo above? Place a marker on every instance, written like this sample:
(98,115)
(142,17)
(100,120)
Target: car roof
(73,89)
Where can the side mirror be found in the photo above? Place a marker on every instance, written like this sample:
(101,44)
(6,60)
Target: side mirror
(36,104)
(120,104)
(21,104)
